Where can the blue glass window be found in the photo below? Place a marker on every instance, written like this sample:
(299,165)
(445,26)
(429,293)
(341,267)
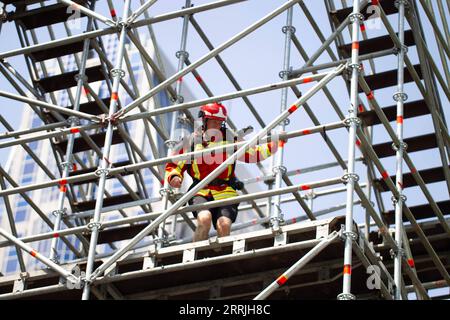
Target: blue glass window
(28,168)
(11,266)
(21,215)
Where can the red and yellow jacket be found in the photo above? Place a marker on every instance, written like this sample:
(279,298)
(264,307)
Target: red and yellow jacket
(204,164)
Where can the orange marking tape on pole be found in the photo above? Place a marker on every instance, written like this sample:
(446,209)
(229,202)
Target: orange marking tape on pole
(293,109)
(347,269)
(306,131)
(281,280)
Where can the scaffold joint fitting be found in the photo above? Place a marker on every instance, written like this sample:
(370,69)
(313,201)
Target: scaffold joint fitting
(397,50)
(62,212)
(352,120)
(397,3)
(118,72)
(279,169)
(84,78)
(403,146)
(356,17)
(94,225)
(102,171)
(166,192)
(73,121)
(291,29)
(182,53)
(66,165)
(350,176)
(346,296)
(400,96)
(395,199)
(395,252)
(285,73)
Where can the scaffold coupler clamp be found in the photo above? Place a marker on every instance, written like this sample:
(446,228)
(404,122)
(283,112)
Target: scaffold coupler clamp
(352,120)
(356,16)
(73,121)
(403,146)
(396,50)
(395,252)
(285,73)
(276,222)
(102,172)
(396,199)
(400,96)
(94,225)
(60,212)
(66,165)
(291,29)
(350,176)
(343,235)
(166,192)
(279,169)
(84,78)
(346,296)
(115,72)
(397,3)
(182,54)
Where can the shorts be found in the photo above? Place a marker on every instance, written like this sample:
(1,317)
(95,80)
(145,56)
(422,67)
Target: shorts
(229,211)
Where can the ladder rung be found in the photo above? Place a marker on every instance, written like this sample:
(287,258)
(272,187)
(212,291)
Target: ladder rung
(67,80)
(428,175)
(389,78)
(376,44)
(81,145)
(411,110)
(415,144)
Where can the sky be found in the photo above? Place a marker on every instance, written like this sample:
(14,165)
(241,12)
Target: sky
(257,60)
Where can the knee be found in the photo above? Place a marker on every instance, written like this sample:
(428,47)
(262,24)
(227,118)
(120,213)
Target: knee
(224,223)
(204,219)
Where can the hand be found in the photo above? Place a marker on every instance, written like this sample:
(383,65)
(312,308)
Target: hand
(175,182)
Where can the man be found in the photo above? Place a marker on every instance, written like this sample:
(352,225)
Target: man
(213,134)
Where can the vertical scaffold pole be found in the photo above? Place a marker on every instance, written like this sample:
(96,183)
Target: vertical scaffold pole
(117,73)
(352,121)
(276,216)
(68,165)
(177,119)
(400,97)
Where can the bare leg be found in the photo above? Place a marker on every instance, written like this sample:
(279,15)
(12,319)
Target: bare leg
(203,225)
(223,226)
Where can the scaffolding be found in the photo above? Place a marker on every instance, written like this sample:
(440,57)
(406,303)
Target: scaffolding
(301,257)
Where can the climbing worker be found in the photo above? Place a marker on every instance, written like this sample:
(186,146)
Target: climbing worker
(212,134)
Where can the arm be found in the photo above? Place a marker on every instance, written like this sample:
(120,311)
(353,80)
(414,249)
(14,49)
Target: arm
(175,170)
(259,153)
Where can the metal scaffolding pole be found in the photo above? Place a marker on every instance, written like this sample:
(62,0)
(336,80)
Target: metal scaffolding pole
(215,172)
(400,97)
(177,120)
(102,171)
(281,280)
(276,216)
(350,176)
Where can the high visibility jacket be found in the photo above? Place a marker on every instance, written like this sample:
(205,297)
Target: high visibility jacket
(204,164)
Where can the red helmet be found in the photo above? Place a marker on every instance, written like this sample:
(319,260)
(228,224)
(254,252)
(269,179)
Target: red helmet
(214,111)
